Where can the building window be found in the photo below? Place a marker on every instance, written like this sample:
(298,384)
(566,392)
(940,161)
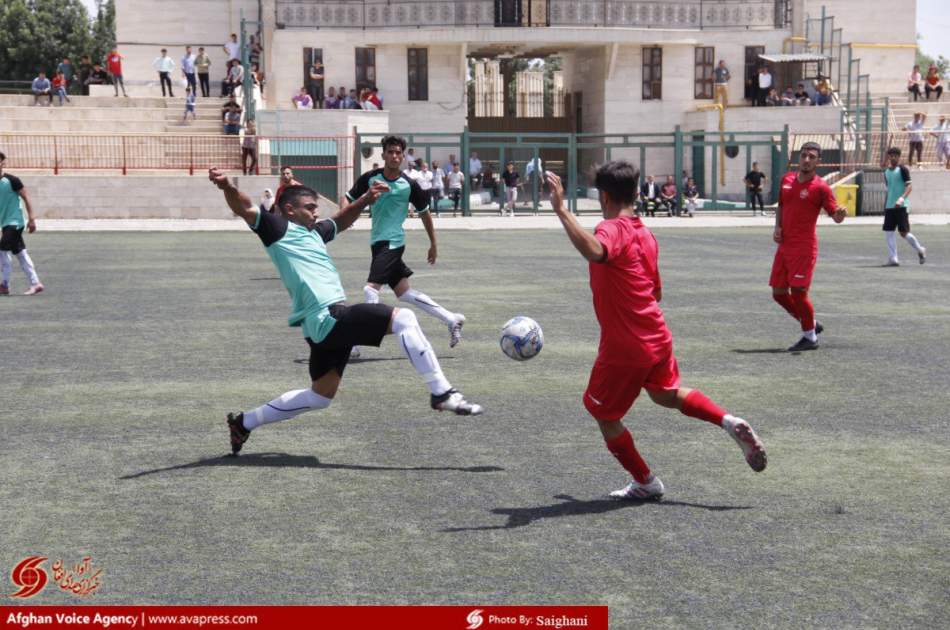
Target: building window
(418,74)
(652,73)
(365,68)
(704,72)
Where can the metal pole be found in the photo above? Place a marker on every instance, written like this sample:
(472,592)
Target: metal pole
(822,45)
(466,190)
(677,152)
(572,169)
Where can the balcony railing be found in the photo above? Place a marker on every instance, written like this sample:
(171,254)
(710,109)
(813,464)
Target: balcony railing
(667,14)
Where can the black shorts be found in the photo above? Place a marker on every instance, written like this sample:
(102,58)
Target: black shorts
(12,239)
(896,218)
(387,266)
(357,325)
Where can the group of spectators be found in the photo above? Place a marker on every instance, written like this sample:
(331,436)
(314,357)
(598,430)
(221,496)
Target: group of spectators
(67,79)
(368,99)
(435,181)
(931,84)
(916,131)
(196,68)
(666,197)
(767,95)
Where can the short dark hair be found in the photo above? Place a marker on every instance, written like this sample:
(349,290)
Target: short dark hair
(895,151)
(389,141)
(286,167)
(811,146)
(3,156)
(292,195)
(619,180)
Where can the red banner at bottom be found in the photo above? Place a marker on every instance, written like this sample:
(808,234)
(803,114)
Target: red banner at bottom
(284,617)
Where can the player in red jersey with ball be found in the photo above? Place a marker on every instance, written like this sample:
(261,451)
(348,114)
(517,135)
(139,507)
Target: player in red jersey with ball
(636,347)
(802,197)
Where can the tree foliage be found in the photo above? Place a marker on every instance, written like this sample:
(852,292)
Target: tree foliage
(36,34)
(925,61)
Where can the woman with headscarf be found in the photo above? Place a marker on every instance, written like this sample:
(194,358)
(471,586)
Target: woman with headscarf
(267,200)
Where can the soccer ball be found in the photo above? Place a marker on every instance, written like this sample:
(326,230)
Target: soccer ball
(521,338)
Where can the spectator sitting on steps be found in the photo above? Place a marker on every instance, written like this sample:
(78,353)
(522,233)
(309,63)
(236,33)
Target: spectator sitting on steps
(232,122)
(231,102)
(302,100)
(59,88)
(42,88)
(932,83)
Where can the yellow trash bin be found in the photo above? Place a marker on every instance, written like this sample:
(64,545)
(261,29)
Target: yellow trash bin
(847,196)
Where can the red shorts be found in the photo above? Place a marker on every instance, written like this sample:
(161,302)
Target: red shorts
(613,387)
(793,268)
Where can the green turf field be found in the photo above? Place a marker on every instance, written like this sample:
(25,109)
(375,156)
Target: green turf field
(116,381)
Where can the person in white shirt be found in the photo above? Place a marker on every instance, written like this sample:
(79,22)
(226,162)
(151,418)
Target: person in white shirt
(426,179)
(438,185)
(455,178)
(765,84)
(942,133)
(914,81)
(916,137)
(188,69)
(534,174)
(475,170)
(164,65)
(233,48)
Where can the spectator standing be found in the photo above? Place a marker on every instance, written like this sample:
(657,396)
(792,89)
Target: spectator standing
(455,178)
(85,70)
(42,88)
(302,100)
(684,179)
(249,149)
(914,81)
(765,85)
(66,68)
(916,137)
(512,180)
(267,200)
(232,122)
(691,196)
(753,181)
(354,100)
(188,70)
(722,77)
(343,98)
(668,196)
(189,104)
(59,88)
(331,101)
(233,48)
(426,179)
(475,171)
(315,81)
(823,91)
(438,186)
(114,66)
(942,133)
(286,179)
(164,65)
(203,68)
(375,97)
(932,83)
(254,50)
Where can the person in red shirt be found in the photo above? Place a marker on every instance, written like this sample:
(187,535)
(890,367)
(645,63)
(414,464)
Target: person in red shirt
(802,197)
(636,347)
(114,66)
(59,88)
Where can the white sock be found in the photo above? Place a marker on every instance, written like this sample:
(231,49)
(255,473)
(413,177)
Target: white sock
(419,350)
(891,239)
(914,242)
(423,301)
(285,407)
(810,335)
(370,295)
(26,264)
(5,267)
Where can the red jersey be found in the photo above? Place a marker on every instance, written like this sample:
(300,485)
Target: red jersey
(632,328)
(59,82)
(801,205)
(114,64)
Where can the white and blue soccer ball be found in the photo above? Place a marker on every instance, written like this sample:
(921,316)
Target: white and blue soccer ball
(521,338)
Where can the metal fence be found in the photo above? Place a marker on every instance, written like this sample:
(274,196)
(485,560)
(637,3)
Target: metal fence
(850,151)
(669,14)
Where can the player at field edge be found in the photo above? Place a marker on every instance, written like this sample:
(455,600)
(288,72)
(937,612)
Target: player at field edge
(296,241)
(12,192)
(802,197)
(388,237)
(636,347)
(897,210)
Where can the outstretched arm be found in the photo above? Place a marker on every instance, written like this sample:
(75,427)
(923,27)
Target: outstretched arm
(585,242)
(240,204)
(348,214)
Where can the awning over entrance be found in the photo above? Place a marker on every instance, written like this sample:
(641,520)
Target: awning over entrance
(794,57)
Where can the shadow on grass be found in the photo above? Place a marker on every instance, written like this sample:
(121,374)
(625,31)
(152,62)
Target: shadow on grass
(284,460)
(265,278)
(760,351)
(520,517)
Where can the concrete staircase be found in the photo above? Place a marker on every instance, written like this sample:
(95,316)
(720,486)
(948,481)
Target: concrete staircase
(105,115)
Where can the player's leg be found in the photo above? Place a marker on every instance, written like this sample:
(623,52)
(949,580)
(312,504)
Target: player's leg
(610,393)
(5,268)
(890,224)
(806,314)
(405,326)
(370,296)
(903,226)
(12,241)
(407,294)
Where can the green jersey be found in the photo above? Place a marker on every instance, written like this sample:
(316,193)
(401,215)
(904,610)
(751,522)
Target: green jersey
(897,179)
(306,270)
(391,209)
(10,211)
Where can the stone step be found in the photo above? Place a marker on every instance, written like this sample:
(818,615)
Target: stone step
(94,115)
(110,101)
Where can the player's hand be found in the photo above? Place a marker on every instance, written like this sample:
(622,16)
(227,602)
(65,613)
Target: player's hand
(777,235)
(378,188)
(433,253)
(31,225)
(557,190)
(839,215)
(219,178)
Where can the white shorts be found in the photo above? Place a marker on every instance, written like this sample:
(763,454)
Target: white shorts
(511,194)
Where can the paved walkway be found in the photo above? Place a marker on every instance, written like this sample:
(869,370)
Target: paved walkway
(449,223)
